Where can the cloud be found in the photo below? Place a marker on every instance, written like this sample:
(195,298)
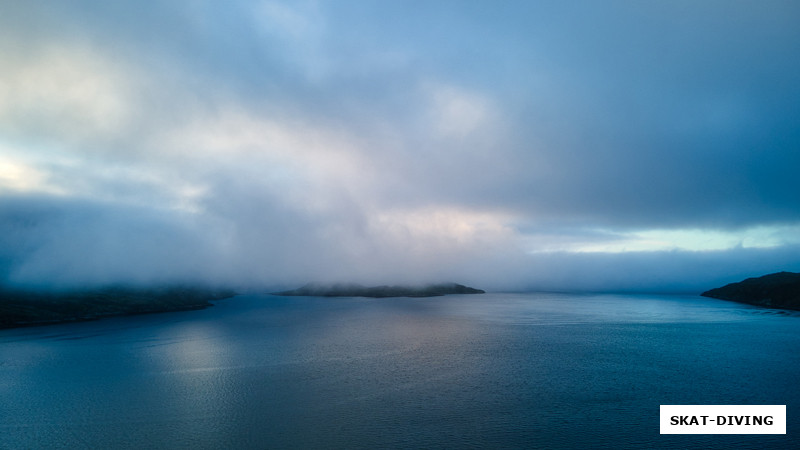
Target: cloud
(456,113)
(604,145)
(63,93)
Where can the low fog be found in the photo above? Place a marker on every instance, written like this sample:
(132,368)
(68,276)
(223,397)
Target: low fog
(622,146)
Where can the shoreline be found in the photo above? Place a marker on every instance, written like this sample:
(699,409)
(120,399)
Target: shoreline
(20,308)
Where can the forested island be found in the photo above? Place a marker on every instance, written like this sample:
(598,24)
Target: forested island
(777,290)
(30,307)
(357,290)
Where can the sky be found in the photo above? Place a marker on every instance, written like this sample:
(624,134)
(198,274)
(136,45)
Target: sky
(512,145)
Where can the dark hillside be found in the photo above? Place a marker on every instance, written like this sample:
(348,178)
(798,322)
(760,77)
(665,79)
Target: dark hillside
(25,308)
(777,290)
(357,290)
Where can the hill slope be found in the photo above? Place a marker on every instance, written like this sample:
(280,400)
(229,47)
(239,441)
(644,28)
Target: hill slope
(777,290)
(357,290)
(26,308)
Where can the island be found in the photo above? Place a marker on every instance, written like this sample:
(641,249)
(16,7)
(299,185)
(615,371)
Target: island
(777,290)
(357,290)
(20,307)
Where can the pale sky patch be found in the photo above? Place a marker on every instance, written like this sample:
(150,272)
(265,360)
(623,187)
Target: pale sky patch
(693,240)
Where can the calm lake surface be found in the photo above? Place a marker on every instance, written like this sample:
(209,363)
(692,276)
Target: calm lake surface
(482,371)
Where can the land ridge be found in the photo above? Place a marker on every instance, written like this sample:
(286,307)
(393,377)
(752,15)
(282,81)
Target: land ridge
(19,307)
(776,290)
(382,291)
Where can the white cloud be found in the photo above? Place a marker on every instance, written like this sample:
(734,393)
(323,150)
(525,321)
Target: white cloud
(442,227)
(19,177)
(64,91)
(457,112)
(310,165)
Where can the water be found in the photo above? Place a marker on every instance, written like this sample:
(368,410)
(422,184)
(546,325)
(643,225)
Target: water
(485,371)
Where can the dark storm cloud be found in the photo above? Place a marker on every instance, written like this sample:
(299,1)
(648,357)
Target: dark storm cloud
(279,141)
(644,114)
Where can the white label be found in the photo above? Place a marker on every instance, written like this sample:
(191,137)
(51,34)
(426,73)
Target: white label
(723,419)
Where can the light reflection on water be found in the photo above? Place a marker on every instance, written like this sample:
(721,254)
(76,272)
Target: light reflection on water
(496,370)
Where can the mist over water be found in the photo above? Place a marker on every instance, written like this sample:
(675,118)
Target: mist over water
(484,371)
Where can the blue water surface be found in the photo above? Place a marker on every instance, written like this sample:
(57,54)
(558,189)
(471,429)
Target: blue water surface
(482,371)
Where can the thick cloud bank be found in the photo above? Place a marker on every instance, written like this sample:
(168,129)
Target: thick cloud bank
(522,145)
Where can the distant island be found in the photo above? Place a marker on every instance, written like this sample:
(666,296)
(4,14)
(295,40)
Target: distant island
(20,308)
(777,290)
(357,290)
